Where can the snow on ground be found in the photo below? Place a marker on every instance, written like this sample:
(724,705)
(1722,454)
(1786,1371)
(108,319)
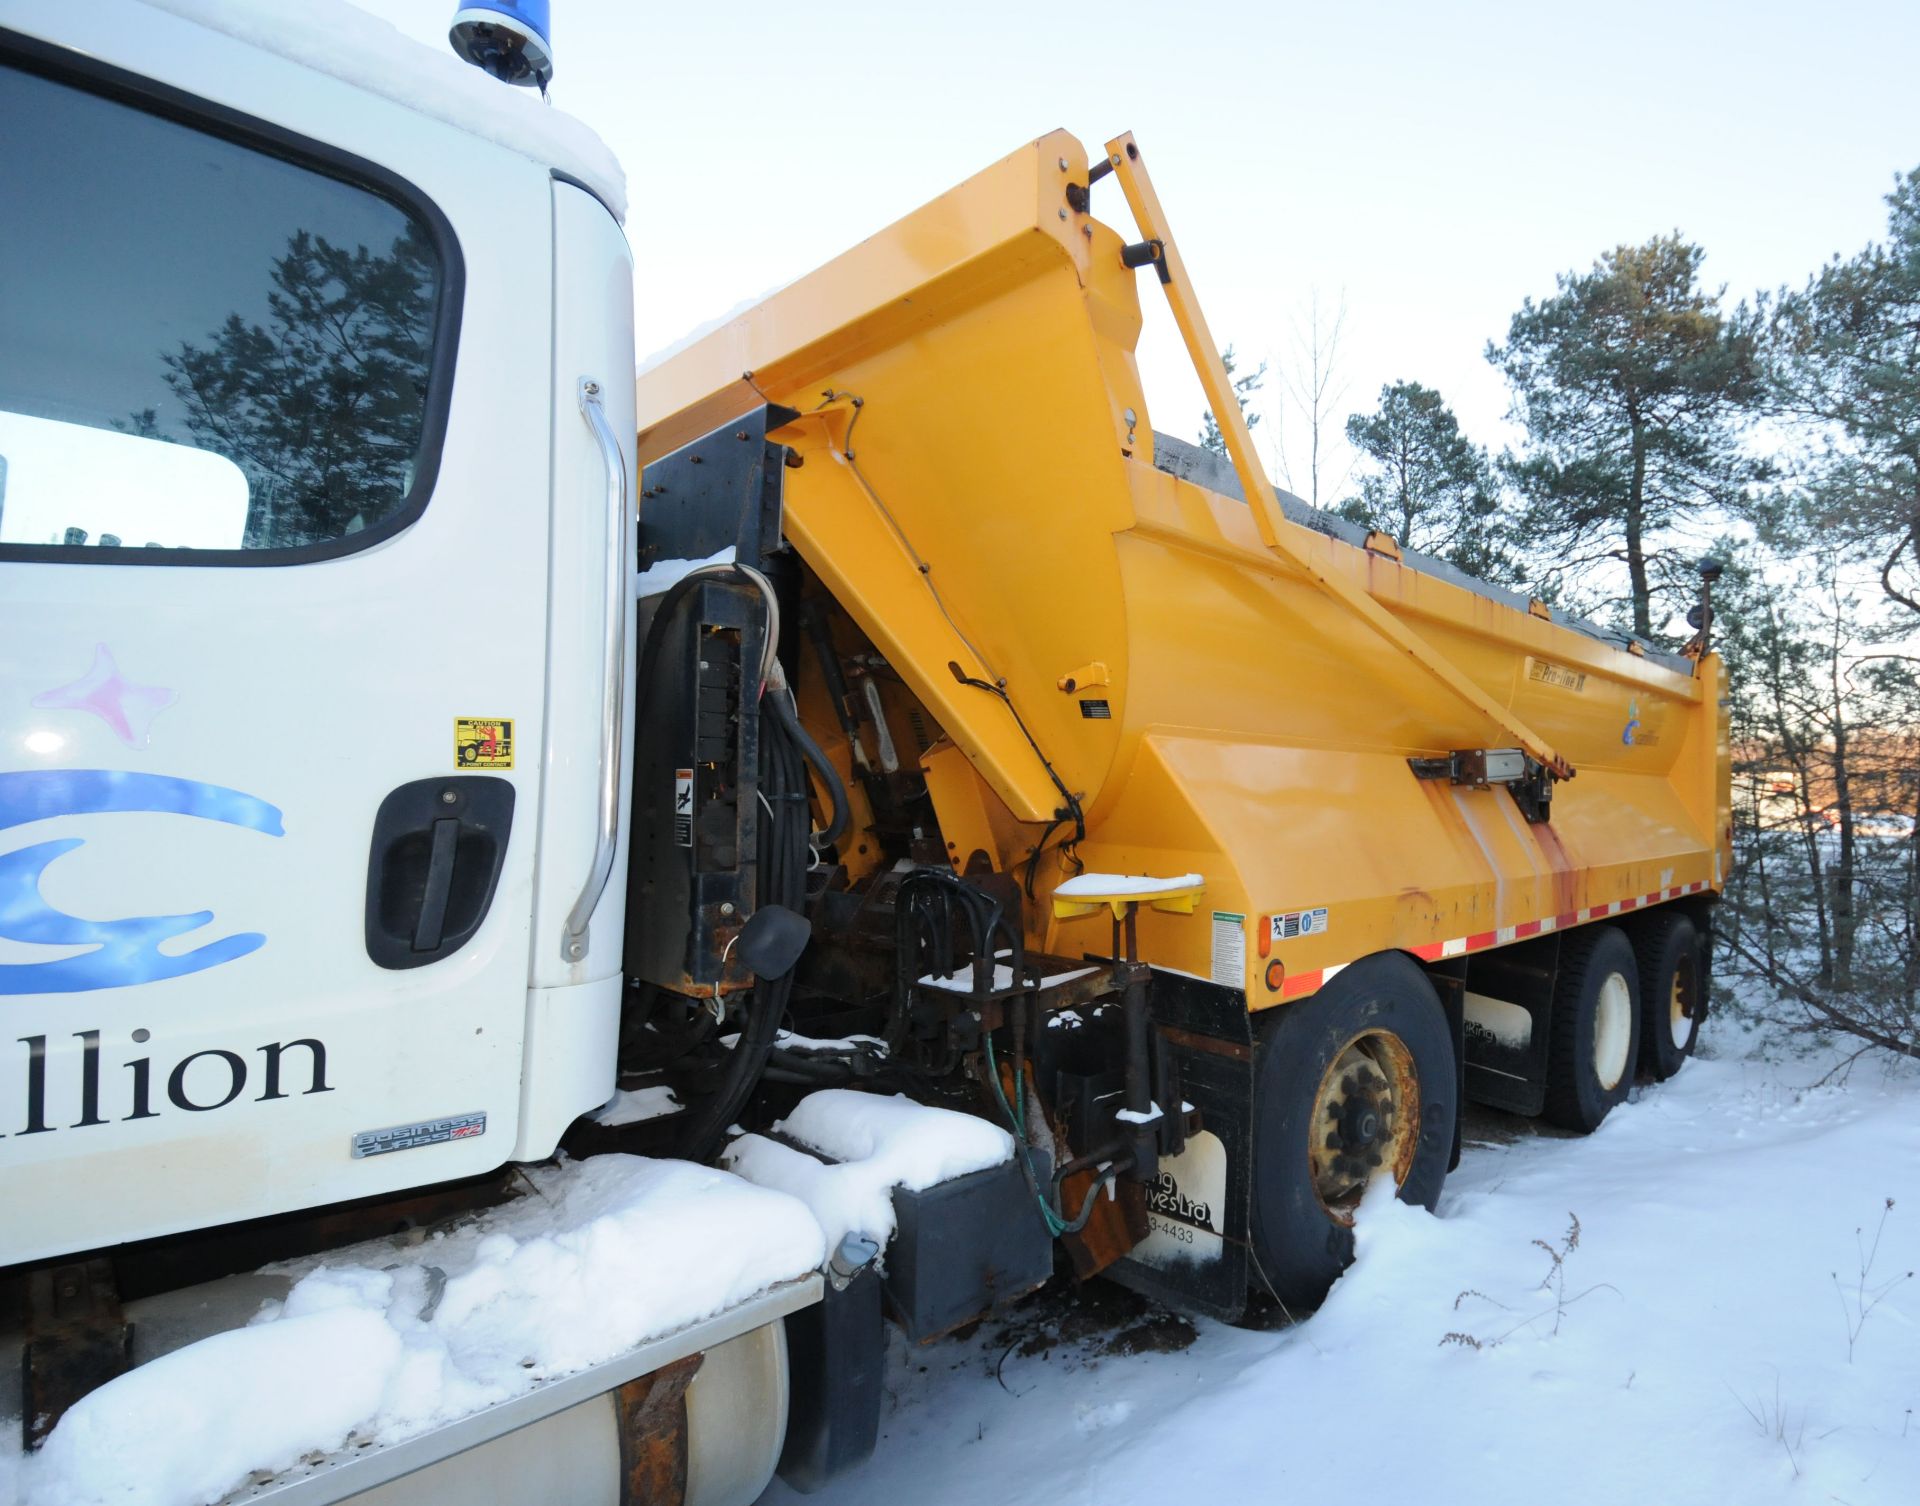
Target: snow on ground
(1701,1353)
(382,1342)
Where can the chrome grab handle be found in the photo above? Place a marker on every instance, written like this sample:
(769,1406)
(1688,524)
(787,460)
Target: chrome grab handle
(573,945)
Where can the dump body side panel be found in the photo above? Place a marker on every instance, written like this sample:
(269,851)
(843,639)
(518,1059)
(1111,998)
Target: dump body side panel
(977,490)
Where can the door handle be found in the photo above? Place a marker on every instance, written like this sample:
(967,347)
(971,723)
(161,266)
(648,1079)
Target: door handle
(433,903)
(573,943)
(435,859)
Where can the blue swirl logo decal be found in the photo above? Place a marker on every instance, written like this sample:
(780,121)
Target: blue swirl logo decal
(127,951)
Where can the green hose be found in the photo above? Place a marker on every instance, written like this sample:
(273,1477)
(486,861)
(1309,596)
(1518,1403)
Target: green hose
(1056,1225)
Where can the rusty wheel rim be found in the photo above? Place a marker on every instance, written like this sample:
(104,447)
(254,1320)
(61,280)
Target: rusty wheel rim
(1680,1012)
(1366,1121)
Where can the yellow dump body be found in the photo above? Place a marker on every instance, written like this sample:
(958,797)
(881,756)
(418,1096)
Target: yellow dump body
(978,488)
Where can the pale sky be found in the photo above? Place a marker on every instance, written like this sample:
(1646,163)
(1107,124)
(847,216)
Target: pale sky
(1434,164)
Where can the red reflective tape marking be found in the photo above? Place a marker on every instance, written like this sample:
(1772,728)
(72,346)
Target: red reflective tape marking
(1301,983)
(1298,984)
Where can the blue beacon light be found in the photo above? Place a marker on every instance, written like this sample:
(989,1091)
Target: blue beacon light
(510,39)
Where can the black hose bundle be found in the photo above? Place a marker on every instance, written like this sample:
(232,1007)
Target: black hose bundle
(784,847)
(780,703)
(784,858)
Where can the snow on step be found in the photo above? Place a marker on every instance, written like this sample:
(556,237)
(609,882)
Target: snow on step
(874,1144)
(383,1342)
(636,1105)
(962,981)
(787,1040)
(1093,885)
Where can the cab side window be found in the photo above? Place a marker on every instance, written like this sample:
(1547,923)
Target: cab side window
(204,346)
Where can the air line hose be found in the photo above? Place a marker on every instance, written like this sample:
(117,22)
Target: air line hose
(781,704)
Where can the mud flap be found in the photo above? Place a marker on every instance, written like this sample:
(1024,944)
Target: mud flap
(1508,1070)
(836,1369)
(1195,1255)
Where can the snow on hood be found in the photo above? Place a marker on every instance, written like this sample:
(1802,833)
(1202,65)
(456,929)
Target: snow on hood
(360,49)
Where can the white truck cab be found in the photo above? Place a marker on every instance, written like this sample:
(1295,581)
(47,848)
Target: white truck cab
(316,448)
(308,856)
(315,454)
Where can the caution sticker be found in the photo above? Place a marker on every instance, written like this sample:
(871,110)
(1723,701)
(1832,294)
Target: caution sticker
(683,807)
(483,742)
(1300,923)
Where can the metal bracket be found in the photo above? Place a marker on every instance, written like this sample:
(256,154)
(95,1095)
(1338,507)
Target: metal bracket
(77,1340)
(1529,781)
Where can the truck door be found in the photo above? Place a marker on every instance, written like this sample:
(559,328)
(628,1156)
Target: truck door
(275,420)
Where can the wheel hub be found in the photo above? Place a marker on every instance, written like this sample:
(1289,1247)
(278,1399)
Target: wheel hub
(1365,1120)
(1612,1031)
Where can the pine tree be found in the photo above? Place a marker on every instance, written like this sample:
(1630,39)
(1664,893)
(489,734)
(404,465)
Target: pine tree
(1845,368)
(1631,385)
(1427,484)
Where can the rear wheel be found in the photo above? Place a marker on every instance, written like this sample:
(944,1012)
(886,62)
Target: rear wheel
(1356,1082)
(1595,1040)
(1671,998)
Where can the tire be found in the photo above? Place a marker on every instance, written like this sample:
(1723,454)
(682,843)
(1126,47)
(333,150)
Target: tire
(1320,1135)
(1671,996)
(1595,1041)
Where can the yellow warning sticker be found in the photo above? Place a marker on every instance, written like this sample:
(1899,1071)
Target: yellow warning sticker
(483,742)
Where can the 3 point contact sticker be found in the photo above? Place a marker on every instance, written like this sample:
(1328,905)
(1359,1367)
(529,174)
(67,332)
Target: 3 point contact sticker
(1300,923)
(483,742)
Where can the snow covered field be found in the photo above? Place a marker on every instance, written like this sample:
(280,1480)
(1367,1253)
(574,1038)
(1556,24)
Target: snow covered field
(1708,1348)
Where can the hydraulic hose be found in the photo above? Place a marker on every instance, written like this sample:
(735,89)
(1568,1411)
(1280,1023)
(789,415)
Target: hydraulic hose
(781,705)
